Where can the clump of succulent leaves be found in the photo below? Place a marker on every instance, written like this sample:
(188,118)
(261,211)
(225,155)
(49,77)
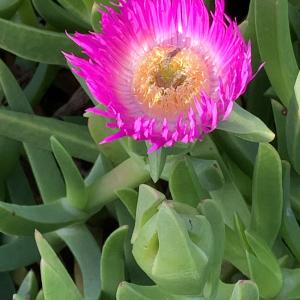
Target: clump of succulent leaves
(215,219)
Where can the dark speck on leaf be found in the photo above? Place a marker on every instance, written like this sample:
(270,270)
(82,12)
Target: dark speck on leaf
(191,224)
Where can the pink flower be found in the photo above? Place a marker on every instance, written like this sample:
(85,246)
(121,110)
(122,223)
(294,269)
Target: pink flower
(166,71)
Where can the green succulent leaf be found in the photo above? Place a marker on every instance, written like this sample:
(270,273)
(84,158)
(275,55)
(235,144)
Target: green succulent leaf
(209,174)
(242,152)
(280,117)
(86,251)
(112,263)
(78,8)
(40,295)
(293,127)
(186,189)
(235,202)
(246,126)
(290,289)
(263,266)
(8,8)
(8,284)
(45,46)
(129,198)
(234,251)
(185,270)
(148,201)
(46,173)
(75,186)
(98,130)
(18,297)
(43,165)
(57,283)
(24,251)
(290,227)
(157,162)
(23,220)
(267,194)
(59,17)
(38,130)
(275,46)
(95,17)
(245,290)
(130,291)
(214,216)
(18,178)
(29,287)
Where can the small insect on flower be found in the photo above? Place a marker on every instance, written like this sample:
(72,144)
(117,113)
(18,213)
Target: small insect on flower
(166,71)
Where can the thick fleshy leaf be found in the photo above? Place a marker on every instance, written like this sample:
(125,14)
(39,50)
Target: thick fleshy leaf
(75,186)
(8,8)
(133,271)
(24,251)
(59,17)
(275,46)
(187,188)
(46,173)
(102,190)
(228,197)
(87,253)
(112,263)
(96,17)
(10,150)
(148,201)
(214,216)
(101,166)
(242,152)
(293,127)
(246,126)
(38,130)
(78,8)
(98,130)
(290,289)
(185,270)
(129,197)
(29,287)
(280,117)
(257,102)
(43,164)
(267,194)
(157,162)
(294,16)
(263,266)
(57,283)
(240,178)
(23,220)
(8,284)
(18,185)
(235,250)
(245,290)
(18,297)
(290,227)
(45,46)
(209,174)
(27,15)
(40,295)
(130,291)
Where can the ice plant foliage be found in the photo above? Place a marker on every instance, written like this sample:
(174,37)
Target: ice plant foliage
(166,71)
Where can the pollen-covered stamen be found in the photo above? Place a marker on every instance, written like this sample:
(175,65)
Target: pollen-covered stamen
(168,78)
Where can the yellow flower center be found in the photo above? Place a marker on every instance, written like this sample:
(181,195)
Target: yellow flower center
(167,79)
